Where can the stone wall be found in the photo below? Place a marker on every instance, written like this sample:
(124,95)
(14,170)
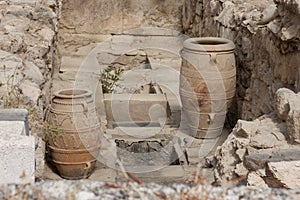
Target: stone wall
(266,35)
(117,17)
(28,38)
(83,26)
(27,30)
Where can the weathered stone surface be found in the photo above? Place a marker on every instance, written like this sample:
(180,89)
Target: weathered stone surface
(258,159)
(282,106)
(17,162)
(266,139)
(293,126)
(253,179)
(251,145)
(135,108)
(285,173)
(246,129)
(119,16)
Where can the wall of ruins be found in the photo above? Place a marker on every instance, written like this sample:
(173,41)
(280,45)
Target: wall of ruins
(28,39)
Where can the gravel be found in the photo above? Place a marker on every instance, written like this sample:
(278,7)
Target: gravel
(87,190)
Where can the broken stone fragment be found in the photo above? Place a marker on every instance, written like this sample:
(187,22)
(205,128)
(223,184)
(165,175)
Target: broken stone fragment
(265,139)
(241,170)
(254,179)
(293,126)
(246,129)
(282,106)
(284,174)
(293,118)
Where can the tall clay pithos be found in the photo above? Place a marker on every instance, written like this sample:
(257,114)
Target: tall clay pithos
(207,84)
(74,148)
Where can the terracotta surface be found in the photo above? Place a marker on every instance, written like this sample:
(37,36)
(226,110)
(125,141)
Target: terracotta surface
(207,84)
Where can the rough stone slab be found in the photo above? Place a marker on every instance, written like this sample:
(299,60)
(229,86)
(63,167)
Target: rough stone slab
(79,44)
(135,107)
(293,126)
(103,174)
(287,173)
(168,174)
(141,133)
(253,179)
(246,129)
(267,139)
(258,159)
(282,107)
(39,157)
(17,159)
(71,63)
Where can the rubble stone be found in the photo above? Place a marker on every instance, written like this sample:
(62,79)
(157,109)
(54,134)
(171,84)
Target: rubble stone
(293,126)
(246,129)
(266,139)
(286,173)
(253,179)
(282,106)
(266,35)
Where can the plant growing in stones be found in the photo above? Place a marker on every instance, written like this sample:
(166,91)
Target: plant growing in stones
(51,131)
(109,78)
(14,93)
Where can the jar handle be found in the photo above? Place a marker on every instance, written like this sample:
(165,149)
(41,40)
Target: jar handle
(211,118)
(88,165)
(85,106)
(213,58)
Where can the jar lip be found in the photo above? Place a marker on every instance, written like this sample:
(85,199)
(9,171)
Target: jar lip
(208,44)
(72,93)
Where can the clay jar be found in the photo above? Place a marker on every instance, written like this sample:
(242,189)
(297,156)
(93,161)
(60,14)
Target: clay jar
(207,84)
(76,143)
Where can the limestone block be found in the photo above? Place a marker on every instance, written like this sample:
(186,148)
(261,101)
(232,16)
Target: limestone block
(246,129)
(93,17)
(253,179)
(135,107)
(267,139)
(285,173)
(33,73)
(293,126)
(257,159)
(31,90)
(17,154)
(282,106)
(152,13)
(39,157)
(241,170)
(12,128)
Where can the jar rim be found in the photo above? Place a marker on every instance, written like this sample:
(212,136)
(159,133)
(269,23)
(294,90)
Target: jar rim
(72,93)
(208,44)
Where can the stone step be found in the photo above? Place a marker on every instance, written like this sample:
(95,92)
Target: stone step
(165,175)
(135,134)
